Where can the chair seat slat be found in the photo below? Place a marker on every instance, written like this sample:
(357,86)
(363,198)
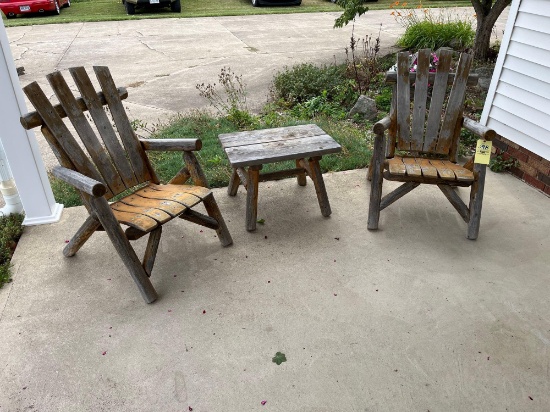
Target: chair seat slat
(159,215)
(95,107)
(136,220)
(185,199)
(168,206)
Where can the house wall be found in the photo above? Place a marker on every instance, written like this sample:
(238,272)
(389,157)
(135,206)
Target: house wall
(518,101)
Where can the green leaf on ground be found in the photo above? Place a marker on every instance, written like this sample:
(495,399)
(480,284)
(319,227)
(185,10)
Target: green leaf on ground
(260,221)
(279,358)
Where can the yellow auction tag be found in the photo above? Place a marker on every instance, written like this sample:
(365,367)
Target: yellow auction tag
(483,152)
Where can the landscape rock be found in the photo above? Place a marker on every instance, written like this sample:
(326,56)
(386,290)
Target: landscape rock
(365,107)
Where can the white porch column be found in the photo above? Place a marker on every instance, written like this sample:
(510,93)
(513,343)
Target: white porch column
(21,147)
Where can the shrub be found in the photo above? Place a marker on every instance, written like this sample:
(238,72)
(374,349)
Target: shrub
(305,81)
(10,232)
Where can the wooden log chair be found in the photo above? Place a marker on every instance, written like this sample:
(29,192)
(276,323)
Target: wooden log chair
(116,164)
(427,145)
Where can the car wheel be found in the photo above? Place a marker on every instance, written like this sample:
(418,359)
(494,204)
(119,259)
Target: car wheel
(175,6)
(130,8)
(68,4)
(57,9)
(256,3)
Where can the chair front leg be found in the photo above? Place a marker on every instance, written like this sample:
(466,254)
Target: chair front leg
(476,200)
(377,165)
(122,245)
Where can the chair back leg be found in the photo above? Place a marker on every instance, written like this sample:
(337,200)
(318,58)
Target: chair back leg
(81,236)
(214,212)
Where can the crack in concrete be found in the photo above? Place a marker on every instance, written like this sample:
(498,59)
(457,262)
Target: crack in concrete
(155,50)
(68,47)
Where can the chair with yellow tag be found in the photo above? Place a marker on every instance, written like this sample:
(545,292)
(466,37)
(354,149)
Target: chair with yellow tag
(418,142)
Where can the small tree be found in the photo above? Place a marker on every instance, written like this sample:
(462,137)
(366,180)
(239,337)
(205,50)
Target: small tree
(487,12)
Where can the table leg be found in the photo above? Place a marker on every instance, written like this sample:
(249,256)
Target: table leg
(234,183)
(315,174)
(302,176)
(252,197)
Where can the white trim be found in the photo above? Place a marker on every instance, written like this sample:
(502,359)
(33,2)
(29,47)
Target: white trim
(512,16)
(21,147)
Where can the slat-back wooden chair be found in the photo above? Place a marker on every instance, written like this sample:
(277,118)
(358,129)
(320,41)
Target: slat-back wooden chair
(116,162)
(430,139)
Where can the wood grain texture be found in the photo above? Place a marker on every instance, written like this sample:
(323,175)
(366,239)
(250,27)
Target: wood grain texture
(169,206)
(85,231)
(252,197)
(136,154)
(61,133)
(403,102)
(87,135)
(171,145)
(301,175)
(478,129)
(376,183)
(420,99)
(437,100)
(151,250)
(455,200)
(413,169)
(397,194)
(124,249)
(234,183)
(198,218)
(262,153)
(453,111)
(154,213)
(316,176)
(79,181)
(269,135)
(428,170)
(214,212)
(186,199)
(181,177)
(103,124)
(476,201)
(391,78)
(33,119)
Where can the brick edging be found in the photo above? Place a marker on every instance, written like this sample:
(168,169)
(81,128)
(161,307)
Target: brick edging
(533,169)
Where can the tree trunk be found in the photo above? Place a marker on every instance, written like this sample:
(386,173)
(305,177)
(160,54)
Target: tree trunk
(487,15)
(483,38)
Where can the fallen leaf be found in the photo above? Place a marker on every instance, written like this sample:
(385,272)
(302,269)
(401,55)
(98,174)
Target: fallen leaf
(263,402)
(260,221)
(66,241)
(203,312)
(279,358)
(104,353)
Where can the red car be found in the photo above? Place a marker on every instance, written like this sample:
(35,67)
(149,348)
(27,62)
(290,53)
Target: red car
(12,8)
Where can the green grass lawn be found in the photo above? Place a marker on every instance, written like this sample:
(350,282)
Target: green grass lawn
(105,10)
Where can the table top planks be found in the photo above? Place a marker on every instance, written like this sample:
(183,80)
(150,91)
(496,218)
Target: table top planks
(274,145)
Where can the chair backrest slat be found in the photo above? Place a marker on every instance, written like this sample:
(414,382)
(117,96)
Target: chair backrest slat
(420,99)
(403,101)
(136,154)
(437,100)
(392,131)
(87,135)
(66,142)
(103,125)
(453,111)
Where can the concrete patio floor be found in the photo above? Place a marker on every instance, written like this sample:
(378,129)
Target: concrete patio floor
(413,317)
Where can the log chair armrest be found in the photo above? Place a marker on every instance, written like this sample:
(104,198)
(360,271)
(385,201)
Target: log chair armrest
(382,125)
(479,130)
(80,181)
(171,145)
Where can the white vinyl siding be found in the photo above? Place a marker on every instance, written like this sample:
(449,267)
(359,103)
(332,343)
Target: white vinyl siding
(518,102)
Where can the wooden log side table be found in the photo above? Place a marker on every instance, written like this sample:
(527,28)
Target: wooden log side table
(249,151)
